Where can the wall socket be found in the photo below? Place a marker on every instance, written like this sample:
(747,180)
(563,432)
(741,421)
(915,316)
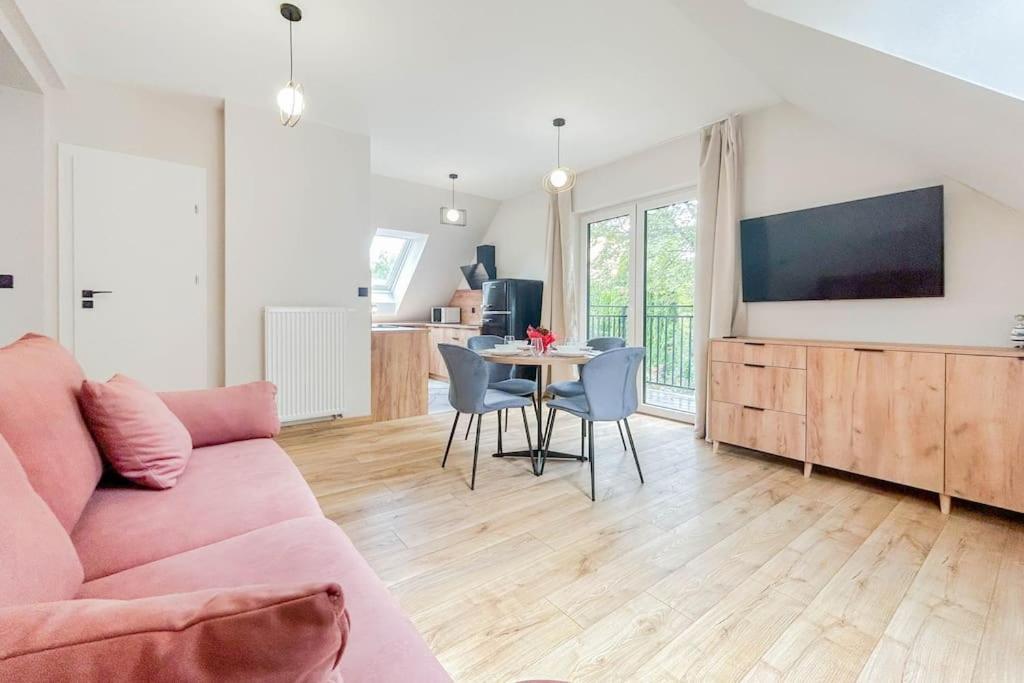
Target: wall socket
(364,291)
(6,282)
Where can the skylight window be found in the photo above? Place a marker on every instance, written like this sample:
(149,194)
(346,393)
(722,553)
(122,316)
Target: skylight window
(394,255)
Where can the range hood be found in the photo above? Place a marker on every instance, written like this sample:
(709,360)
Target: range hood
(484,269)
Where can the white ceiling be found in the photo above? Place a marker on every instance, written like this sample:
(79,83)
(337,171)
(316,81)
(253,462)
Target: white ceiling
(441,85)
(13,73)
(976,41)
(979,42)
(961,130)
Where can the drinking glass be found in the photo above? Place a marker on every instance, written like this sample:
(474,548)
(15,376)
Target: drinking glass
(538,346)
(509,339)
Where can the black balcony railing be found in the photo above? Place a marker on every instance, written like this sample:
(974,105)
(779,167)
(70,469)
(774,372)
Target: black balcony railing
(668,337)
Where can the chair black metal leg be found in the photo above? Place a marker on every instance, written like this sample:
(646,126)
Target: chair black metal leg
(450,437)
(476,452)
(529,442)
(583,440)
(619,425)
(500,449)
(547,439)
(469,426)
(506,419)
(590,434)
(633,445)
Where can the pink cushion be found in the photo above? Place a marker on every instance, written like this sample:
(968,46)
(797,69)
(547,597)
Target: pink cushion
(137,432)
(383,645)
(226,490)
(258,633)
(37,561)
(213,416)
(39,416)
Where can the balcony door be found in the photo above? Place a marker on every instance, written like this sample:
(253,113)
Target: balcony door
(639,280)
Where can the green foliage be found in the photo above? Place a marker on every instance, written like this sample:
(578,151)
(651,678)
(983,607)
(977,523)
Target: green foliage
(670,258)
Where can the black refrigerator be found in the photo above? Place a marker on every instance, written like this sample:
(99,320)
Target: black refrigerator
(510,306)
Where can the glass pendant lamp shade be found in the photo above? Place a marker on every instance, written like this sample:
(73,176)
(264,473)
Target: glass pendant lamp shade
(450,215)
(291,102)
(561,178)
(291,99)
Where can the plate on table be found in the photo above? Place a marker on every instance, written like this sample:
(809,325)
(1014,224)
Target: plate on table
(578,352)
(506,351)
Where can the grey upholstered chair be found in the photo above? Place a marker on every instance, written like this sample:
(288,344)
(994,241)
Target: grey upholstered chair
(500,375)
(609,395)
(468,392)
(574,387)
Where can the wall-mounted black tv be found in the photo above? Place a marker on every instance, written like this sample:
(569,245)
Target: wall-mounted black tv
(880,248)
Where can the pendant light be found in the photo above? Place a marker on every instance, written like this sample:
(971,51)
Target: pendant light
(449,214)
(291,99)
(561,178)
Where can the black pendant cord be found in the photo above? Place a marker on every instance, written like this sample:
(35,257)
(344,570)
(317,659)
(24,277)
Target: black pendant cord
(453,193)
(558,147)
(291,54)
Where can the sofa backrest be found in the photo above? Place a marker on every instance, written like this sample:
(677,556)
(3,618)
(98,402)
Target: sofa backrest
(38,563)
(39,417)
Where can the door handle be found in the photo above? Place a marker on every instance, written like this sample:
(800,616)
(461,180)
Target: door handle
(90,293)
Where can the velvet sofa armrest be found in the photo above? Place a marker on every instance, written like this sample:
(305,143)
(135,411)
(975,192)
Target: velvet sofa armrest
(255,633)
(215,416)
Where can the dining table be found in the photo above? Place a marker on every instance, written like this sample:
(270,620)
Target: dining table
(544,362)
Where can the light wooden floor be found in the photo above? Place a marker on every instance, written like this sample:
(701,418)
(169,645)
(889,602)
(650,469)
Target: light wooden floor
(721,567)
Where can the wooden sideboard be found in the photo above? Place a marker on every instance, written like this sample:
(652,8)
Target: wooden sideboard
(946,419)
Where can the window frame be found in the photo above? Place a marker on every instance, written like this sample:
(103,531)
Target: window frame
(388,297)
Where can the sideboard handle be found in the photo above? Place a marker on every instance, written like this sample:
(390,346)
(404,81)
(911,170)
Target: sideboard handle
(753,343)
(753,365)
(760,410)
(870,350)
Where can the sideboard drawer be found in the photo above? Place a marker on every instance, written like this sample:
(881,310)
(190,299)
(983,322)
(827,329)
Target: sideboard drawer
(774,355)
(760,386)
(762,430)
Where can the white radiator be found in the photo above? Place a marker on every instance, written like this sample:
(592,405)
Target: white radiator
(304,350)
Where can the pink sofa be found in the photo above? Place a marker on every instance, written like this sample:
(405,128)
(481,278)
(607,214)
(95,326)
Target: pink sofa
(241,514)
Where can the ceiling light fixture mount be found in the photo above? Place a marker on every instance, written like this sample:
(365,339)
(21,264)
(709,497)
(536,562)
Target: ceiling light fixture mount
(449,214)
(291,100)
(561,178)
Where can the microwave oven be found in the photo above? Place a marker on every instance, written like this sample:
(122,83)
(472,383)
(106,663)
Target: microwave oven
(445,314)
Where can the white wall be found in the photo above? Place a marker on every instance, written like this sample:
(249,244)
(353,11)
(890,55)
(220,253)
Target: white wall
(519,228)
(518,235)
(298,233)
(159,125)
(402,205)
(794,160)
(21,213)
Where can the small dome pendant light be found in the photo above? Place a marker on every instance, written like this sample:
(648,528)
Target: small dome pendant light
(562,178)
(449,214)
(291,99)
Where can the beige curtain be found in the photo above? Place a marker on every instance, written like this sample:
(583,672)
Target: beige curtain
(718,309)
(558,307)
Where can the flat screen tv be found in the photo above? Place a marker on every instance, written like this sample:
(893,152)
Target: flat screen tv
(880,248)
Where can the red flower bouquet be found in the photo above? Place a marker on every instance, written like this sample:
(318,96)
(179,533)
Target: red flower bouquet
(546,337)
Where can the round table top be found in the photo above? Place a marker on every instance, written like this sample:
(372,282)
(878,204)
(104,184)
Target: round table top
(527,358)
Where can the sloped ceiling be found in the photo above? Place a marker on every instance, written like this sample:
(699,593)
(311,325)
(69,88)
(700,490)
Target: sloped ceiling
(978,41)
(13,73)
(448,85)
(964,131)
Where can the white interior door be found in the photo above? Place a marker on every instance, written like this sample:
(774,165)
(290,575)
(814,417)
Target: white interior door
(138,262)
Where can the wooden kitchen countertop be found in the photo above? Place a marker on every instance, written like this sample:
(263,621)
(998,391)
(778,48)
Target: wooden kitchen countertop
(453,326)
